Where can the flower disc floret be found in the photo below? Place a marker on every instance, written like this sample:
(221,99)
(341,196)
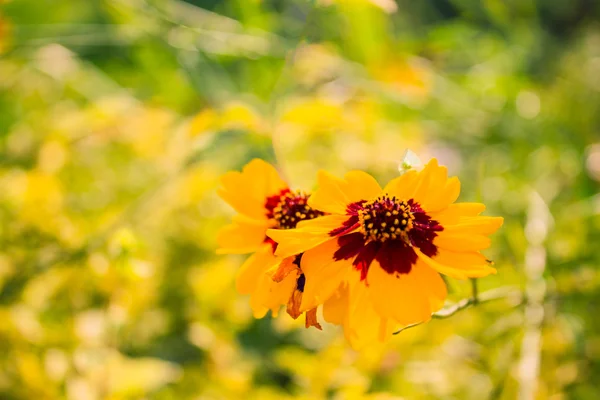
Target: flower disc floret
(385,218)
(290,207)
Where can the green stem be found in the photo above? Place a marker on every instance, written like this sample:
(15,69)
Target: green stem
(485,297)
(474,291)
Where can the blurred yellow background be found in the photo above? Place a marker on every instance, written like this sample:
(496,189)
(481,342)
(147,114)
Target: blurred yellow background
(117,118)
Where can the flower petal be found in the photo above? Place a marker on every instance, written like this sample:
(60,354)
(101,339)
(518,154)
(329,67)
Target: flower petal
(442,196)
(242,236)
(279,272)
(323,273)
(461,242)
(430,187)
(334,309)
(361,186)
(454,212)
(255,266)
(309,234)
(311,319)
(403,187)
(330,195)
(404,298)
(334,194)
(248,190)
(476,225)
(429,177)
(363,325)
(272,295)
(458,265)
(435,284)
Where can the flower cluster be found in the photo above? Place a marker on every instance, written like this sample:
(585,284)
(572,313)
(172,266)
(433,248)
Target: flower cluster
(370,256)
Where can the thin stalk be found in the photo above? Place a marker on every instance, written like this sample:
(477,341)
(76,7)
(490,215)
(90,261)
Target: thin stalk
(485,297)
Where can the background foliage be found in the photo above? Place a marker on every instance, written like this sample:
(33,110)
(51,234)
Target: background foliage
(118,116)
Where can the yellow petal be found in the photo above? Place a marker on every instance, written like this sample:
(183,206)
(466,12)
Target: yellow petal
(334,194)
(405,298)
(259,298)
(437,291)
(363,326)
(403,187)
(242,236)
(461,242)
(334,309)
(330,195)
(427,179)
(361,186)
(430,187)
(458,265)
(272,295)
(309,234)
(323,273)
(475,225)
(254,267)
(454,212)
(442,196)
(247,191)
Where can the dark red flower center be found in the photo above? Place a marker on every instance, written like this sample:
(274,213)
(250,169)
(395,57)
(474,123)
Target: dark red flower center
(290,207)
(387,230)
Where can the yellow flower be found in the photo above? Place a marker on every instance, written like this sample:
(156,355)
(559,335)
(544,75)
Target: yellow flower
(376,258)
(263,200)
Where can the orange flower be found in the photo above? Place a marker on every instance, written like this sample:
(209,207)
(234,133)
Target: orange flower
(263,200)
(376,258)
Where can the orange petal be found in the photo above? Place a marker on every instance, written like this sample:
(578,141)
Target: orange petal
(311,319)
(293,305)
(286,267)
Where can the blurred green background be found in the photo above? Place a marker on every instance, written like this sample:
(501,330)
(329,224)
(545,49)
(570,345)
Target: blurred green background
(118,116)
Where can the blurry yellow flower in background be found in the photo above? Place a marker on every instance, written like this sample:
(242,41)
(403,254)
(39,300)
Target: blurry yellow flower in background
(238,115)
(38,197)
(147,130)
(233,115)
(204,121)
(388,6)
(386,248)
(314,114)
(263,200)
(410,78)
